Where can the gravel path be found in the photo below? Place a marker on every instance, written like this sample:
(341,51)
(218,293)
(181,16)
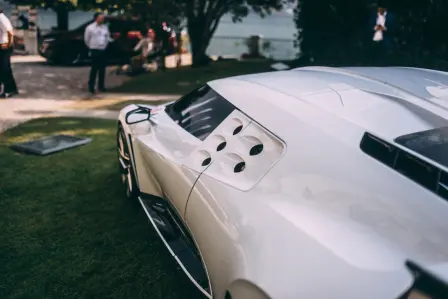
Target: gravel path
(16,111)
(40,80)
(46,89)
(49,91)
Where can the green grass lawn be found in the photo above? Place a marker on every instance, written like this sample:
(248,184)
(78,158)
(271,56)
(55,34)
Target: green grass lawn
(66,229)
(120,105)
(184,79)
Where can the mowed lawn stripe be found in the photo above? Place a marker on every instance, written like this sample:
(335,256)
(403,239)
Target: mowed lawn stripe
(67,231)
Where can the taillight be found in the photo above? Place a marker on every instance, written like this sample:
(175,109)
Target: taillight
(134,34)
(116,35)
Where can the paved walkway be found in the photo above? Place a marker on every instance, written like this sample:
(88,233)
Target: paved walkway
(51,91)
(38,79)
(15,111)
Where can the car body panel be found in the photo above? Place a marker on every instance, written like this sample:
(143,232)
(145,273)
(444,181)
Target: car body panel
(347,94)
(161,157)
(362,226)
(317,216)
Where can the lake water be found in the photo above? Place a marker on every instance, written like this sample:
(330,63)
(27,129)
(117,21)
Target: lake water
(278,29)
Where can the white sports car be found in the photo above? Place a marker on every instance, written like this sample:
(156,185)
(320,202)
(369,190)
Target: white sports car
(323,183)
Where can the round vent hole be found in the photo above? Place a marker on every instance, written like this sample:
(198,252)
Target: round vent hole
(239,167)
(237,129)
(221,146)
(256,149)
(206,161)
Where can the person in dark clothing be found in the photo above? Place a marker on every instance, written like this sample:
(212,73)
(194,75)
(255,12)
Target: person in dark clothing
(6,48)
(96,37)
(165,45)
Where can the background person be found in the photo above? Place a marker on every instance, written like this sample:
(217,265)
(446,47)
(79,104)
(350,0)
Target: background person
(96,37)
(146,45)
(141,51)
(382,25)
(164,38)
(6,48)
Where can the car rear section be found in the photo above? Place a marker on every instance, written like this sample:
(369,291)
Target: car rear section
(333,218)
(293,202)
(319,229)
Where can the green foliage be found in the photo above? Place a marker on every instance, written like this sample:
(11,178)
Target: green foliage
(154,11)
(70,4)
(339,31)
(329,28)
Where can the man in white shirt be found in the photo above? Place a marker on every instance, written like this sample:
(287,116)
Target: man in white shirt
(383,25)
(96,37)
(380,27)
(6,47)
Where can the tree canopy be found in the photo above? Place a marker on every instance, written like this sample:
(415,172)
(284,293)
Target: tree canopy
(339,32)
(61,7)
(203,18)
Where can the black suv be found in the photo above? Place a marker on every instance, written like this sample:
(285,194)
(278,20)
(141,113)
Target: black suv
(69,47)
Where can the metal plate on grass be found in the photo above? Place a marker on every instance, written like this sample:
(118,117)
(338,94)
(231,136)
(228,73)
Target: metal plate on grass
(50,145)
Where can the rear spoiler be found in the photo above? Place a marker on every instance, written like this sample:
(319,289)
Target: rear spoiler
(427,285)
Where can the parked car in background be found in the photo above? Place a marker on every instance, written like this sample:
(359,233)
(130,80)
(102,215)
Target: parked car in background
(19,44)
(68,47)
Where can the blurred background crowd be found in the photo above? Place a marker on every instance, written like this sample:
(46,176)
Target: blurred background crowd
(325,32)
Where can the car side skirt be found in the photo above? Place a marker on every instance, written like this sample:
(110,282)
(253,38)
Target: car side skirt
(177,240)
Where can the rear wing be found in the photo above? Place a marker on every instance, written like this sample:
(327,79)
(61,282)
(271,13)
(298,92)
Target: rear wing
(426,285)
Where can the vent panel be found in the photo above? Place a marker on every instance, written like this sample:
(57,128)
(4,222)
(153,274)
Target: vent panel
(240,160)
(247,157)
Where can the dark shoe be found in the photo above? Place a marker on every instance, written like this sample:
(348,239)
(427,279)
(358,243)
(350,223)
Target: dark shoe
(92,91)
(6,95)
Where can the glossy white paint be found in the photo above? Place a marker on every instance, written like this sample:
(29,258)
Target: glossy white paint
(315,217)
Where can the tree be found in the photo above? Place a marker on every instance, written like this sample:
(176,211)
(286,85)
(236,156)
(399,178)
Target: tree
(203,16)
(420,36)
(153,11)
(60,7)
(332,31)
(338,32)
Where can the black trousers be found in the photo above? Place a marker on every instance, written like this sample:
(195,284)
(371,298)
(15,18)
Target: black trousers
(381,54)
(98,68)
(6,75)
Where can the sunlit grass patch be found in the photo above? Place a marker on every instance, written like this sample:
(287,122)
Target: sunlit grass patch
(67,230)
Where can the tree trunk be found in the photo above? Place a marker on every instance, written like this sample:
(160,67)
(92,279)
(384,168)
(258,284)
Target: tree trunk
(200,36)
(198,49)
(199,56)
(62,17)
